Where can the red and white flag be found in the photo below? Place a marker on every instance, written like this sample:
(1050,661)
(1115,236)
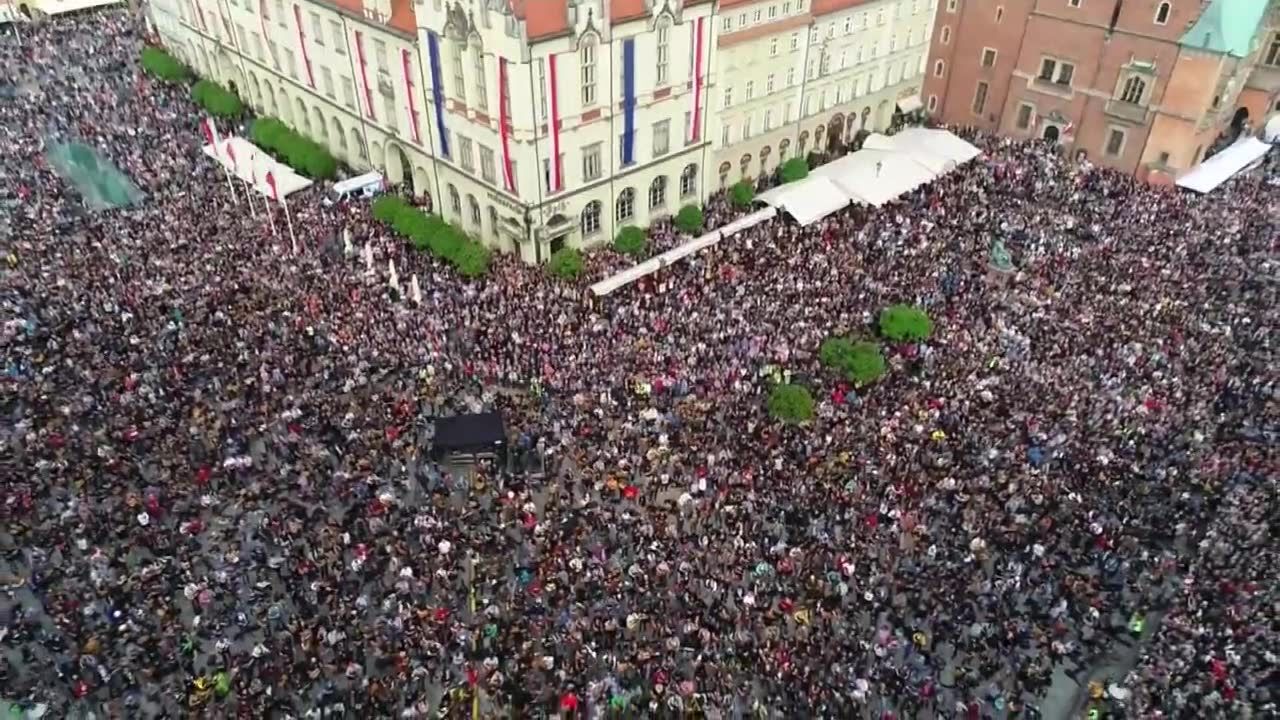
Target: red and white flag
(231,153)
(271,184)
(210,133)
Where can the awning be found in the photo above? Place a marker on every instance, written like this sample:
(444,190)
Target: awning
(910,104)
(1211,173)
(808,200)
(875,177)
(654,264)
(251,164)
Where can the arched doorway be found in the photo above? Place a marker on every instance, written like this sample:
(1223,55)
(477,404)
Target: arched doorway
(377,158)
(282,105)
(355,148)
(268,98)
(1051,133)
(317,125)
(397,163)
(835,133)
(1240,120)
(337,137)
(420,184)
(300,116)
(255,91)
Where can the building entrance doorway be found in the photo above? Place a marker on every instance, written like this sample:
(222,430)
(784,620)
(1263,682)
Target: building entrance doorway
(1051,133)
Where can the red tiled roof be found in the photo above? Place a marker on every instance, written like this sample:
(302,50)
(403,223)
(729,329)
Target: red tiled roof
(542,18)
(826,7)
(623,10)
(402,18)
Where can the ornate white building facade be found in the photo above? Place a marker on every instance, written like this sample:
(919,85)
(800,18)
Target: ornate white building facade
(536,124)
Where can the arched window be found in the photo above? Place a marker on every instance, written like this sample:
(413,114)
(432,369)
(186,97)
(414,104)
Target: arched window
(664,49)
(724,173)
(455,201)
(591,218)
(818,137)
(783,147)
(1134,88)
(938,68)
(626,206)
(459,77)
(804,140)
(1162,13)
(587,63)
(689,180)
(475,210)
(477,64)
(745,164)
(764,158)
(658,192)
(493,220)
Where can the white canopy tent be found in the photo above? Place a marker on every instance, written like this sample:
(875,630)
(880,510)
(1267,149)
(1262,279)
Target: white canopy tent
(57,7)
(1211,173)
(251,165)
(1271,131)
(654,264)
(809,200)
(875,177)
(939,150)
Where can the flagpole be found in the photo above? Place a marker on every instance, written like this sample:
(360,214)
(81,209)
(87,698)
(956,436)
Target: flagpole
(271,219)
(293,239)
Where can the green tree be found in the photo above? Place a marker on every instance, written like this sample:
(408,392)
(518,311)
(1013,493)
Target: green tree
(861,363)
(689,219)
(793,170)
(631,240)
(158,63)
(790,404)
(217,100)
(742,193)
(297,151)
(565,263)
(472,259)
(905,323)
(387,207)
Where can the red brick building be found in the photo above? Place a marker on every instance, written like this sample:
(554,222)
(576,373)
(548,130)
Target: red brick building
(1144,86)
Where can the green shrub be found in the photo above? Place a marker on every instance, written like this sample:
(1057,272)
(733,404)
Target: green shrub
(161,64)
(742,193)
(299,152)
(387,207)
(472,259)
(861,363)
(689,219)
(793,170)
(565,263)
(217,100)
(790,404)
(631,241)
(905,323)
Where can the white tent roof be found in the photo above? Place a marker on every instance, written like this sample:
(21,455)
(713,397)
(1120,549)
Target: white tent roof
(1211,173)
(875,177)
(57,7)
(654,264)
(252,164)
(939,150)
(808,200)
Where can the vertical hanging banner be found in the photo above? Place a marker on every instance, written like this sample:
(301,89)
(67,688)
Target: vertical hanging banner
(695,126)
(406,61)
(628,100)
(302,45)
(364,75)
(553,124)
(437,91)
(504,124)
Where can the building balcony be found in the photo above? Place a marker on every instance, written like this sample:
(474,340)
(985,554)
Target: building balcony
(1127,111)
(1062,90)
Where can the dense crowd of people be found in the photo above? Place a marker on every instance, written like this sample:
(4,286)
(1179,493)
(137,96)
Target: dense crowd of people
(219,496)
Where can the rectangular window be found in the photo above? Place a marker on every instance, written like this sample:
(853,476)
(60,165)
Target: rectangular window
(290,65)
(257,46)
(280,12)
(751,90)
(1074,3)
(786,8)
(486,164)
(587,62)
(542,85)
(727,25)
(746,127)
(786,113)
(466,154)
(1024,116)
(688,128)
(390,112)
(768,84)
(459,81)
(1047,69)
(726,135)
(380,54)
(317,30)
(951,6)
(478,70)
(546,172)
(1273,52)
(326,80)
(243,38)
(999,14)
(773,47)
(661,138)
(768,121)
(515,177)
(791,77)
(757,15)
(742,20)
(348,92)
(848,25)
(980,98)
(728,97)
(591,162)
(1115,143)
(1065,72)
(795,41)
(335,33)
(988,57)
(773,11)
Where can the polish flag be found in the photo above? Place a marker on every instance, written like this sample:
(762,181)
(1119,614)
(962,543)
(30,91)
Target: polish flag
(271,183)
(231,153)
(210,133)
